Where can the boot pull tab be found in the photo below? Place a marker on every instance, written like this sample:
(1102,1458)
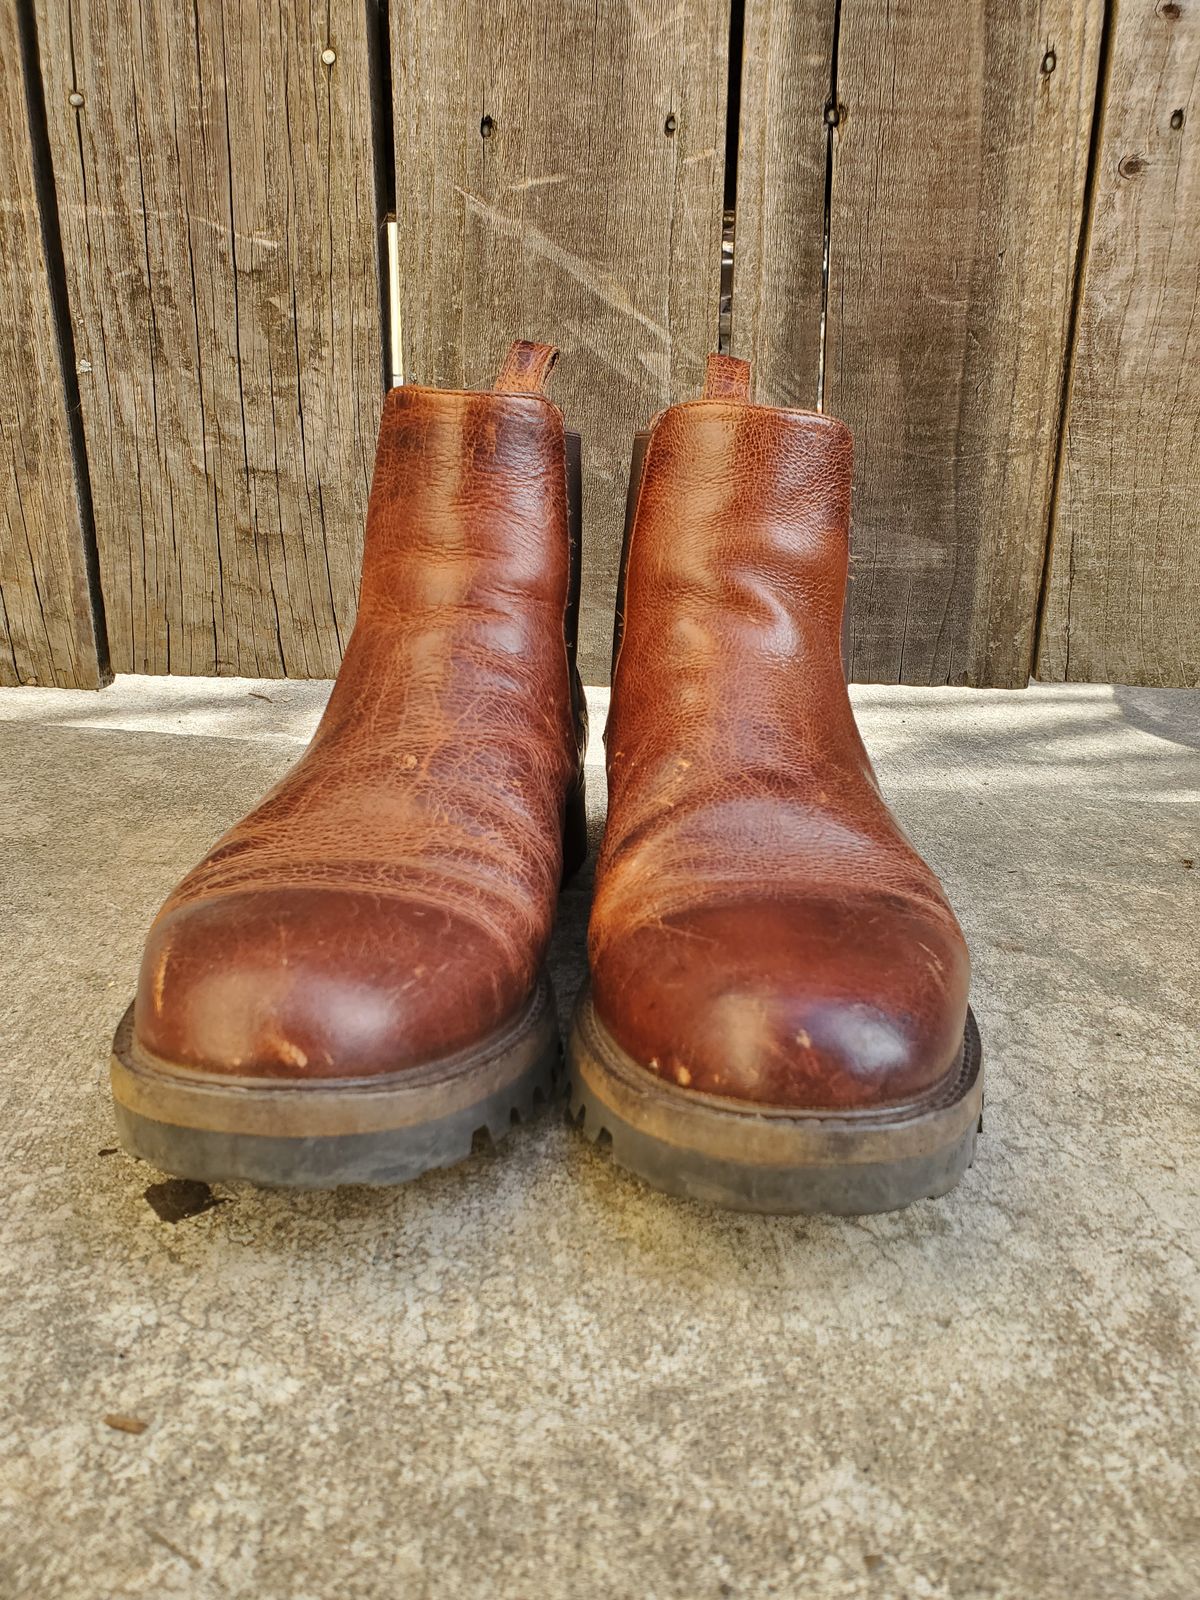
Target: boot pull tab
(525,368)
(726,378)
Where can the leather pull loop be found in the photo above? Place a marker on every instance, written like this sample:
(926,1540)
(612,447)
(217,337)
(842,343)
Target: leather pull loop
(726,378)
(525,368)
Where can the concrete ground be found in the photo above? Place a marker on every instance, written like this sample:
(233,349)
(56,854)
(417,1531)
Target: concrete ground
(532,1377)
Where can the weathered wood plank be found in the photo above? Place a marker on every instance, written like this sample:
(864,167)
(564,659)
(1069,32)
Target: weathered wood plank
(47,630)
(544,192)
(782,158)
(1123,600)
(218,213)
(959,167)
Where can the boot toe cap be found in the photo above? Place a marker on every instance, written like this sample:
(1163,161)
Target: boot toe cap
(314,983)
(811,1005)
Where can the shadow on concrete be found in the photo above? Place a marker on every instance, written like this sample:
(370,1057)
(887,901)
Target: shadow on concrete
(1167,713)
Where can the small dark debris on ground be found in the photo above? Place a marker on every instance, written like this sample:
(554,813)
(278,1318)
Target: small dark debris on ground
(179,1198)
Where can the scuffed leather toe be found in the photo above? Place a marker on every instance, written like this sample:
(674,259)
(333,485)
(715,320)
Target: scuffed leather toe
(313,983)
(808,1004)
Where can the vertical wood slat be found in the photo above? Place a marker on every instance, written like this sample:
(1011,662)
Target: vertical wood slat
(959,163)
(584,217)
(779,233)
(1123,599)
(959,172)
(47,627)
(220,238)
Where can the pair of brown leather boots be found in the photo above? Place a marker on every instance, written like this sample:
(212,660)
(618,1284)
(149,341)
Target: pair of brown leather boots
(352,983)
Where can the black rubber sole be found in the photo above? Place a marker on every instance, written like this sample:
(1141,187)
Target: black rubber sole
(384,1130)
(774,1161)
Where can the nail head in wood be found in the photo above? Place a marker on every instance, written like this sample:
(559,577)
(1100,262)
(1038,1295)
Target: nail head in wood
(328,56)
(75,99)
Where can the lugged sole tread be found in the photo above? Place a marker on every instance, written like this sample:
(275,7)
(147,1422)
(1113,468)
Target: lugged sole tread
(846,1165)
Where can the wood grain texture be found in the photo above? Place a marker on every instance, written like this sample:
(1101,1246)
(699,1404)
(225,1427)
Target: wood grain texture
(959,169)
(47,631)
(583,217)
(217,199)
(1123,600)
(779,239)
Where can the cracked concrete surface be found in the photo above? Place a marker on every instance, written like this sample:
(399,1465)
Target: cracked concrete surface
(532,1377)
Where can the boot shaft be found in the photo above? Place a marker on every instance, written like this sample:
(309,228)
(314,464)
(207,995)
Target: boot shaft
(733,585)
(471,561)
(468,502)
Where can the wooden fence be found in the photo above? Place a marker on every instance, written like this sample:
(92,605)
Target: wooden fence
(971,231)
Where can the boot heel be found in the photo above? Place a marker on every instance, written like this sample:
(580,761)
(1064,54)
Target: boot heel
(575,837)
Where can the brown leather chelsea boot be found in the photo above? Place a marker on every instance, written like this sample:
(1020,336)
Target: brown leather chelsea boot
(777,1019)
(352,983)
